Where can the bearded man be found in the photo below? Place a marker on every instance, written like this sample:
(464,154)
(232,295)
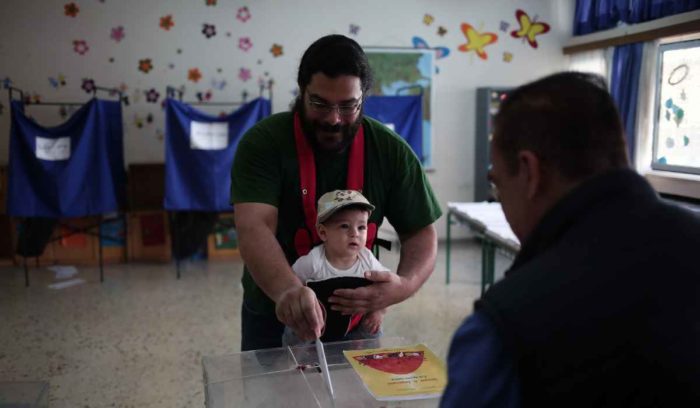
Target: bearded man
(286,162)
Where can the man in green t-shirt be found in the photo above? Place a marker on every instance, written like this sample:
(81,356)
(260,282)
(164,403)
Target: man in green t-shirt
(285,162)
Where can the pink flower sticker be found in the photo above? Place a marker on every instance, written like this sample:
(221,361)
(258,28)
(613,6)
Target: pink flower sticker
(244,74)
(117,33)
(245,44)
(80,47)
(243,14)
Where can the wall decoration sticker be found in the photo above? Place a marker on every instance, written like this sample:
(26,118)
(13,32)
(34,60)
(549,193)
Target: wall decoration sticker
(476,41)
(117,33)
(210,2)
(440,52)
(529,28)
(441,31)
(152,95)
(244,74)
(166,22)
(504,26)
(88,85)
(209,30)
(243,14)
(71,10)
(245,44)
(145,65)
(276,50)
(80,47)
(171,65)
(194,75)
(138,121)
(57,81)
(204,96)
(354,29)
(111,60)
(218,84)
(428,19)
(507,56)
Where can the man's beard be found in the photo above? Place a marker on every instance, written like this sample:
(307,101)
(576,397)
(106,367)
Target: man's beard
(325,137)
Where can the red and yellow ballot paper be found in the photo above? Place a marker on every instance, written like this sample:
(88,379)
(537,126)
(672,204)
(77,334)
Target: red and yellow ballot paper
(399,373)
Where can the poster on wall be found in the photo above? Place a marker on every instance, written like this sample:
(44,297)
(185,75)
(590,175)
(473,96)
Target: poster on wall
(406,71)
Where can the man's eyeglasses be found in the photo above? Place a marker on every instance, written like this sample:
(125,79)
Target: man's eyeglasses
(343,110)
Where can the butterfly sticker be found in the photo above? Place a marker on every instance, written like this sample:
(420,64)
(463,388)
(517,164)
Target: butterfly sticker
(354,29)
(57,81)
(476,41)
(440,52)
(204,96)
(218,84)
(529,28)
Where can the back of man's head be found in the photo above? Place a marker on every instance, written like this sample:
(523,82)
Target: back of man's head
(335,55)
(569,120)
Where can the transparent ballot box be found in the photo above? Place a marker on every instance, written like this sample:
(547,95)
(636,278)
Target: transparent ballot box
(24,394)
(289,377)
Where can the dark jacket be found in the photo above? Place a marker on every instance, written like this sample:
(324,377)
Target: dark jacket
(602,305)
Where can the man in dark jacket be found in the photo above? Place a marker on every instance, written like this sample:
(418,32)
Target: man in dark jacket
(602,304)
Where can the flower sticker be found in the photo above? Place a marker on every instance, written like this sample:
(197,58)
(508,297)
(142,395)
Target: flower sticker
(209,30)
(152,95)
(507,56)
(504,26)
(210,2)
(71,10)
(88,85)
(80,47)
(243,14)
(145,65)
(166,22)
(244,74)
(428,19)
(354,29)
(276,50)
(194,75)
(117,33)
(245,44)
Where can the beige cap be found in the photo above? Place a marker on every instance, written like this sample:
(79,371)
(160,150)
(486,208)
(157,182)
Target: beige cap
(333,201)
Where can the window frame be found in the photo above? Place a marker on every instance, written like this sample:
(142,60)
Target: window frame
(655,165)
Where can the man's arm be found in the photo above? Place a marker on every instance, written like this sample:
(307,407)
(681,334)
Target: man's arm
(296,304)
(480,371)
(417,261)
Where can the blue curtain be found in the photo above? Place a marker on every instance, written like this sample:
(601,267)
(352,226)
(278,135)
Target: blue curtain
(198,178)
(71,170)
(624,86)
(405,113)
(596,15)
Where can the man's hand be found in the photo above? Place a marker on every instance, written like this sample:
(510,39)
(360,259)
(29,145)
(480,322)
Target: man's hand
(388,289)
(299,309)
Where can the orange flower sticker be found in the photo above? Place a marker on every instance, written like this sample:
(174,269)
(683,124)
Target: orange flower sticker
(166,22)
(276,50)
(194,75)
(71,9)
(145,65)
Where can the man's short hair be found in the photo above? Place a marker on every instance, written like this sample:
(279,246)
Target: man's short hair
(569,120)
(335,55)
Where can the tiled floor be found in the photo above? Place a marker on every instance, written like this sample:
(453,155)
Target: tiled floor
(137,339)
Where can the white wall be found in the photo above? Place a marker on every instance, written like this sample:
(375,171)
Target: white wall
(36,42)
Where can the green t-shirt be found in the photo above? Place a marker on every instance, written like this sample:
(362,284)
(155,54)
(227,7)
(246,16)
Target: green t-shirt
(265,170)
